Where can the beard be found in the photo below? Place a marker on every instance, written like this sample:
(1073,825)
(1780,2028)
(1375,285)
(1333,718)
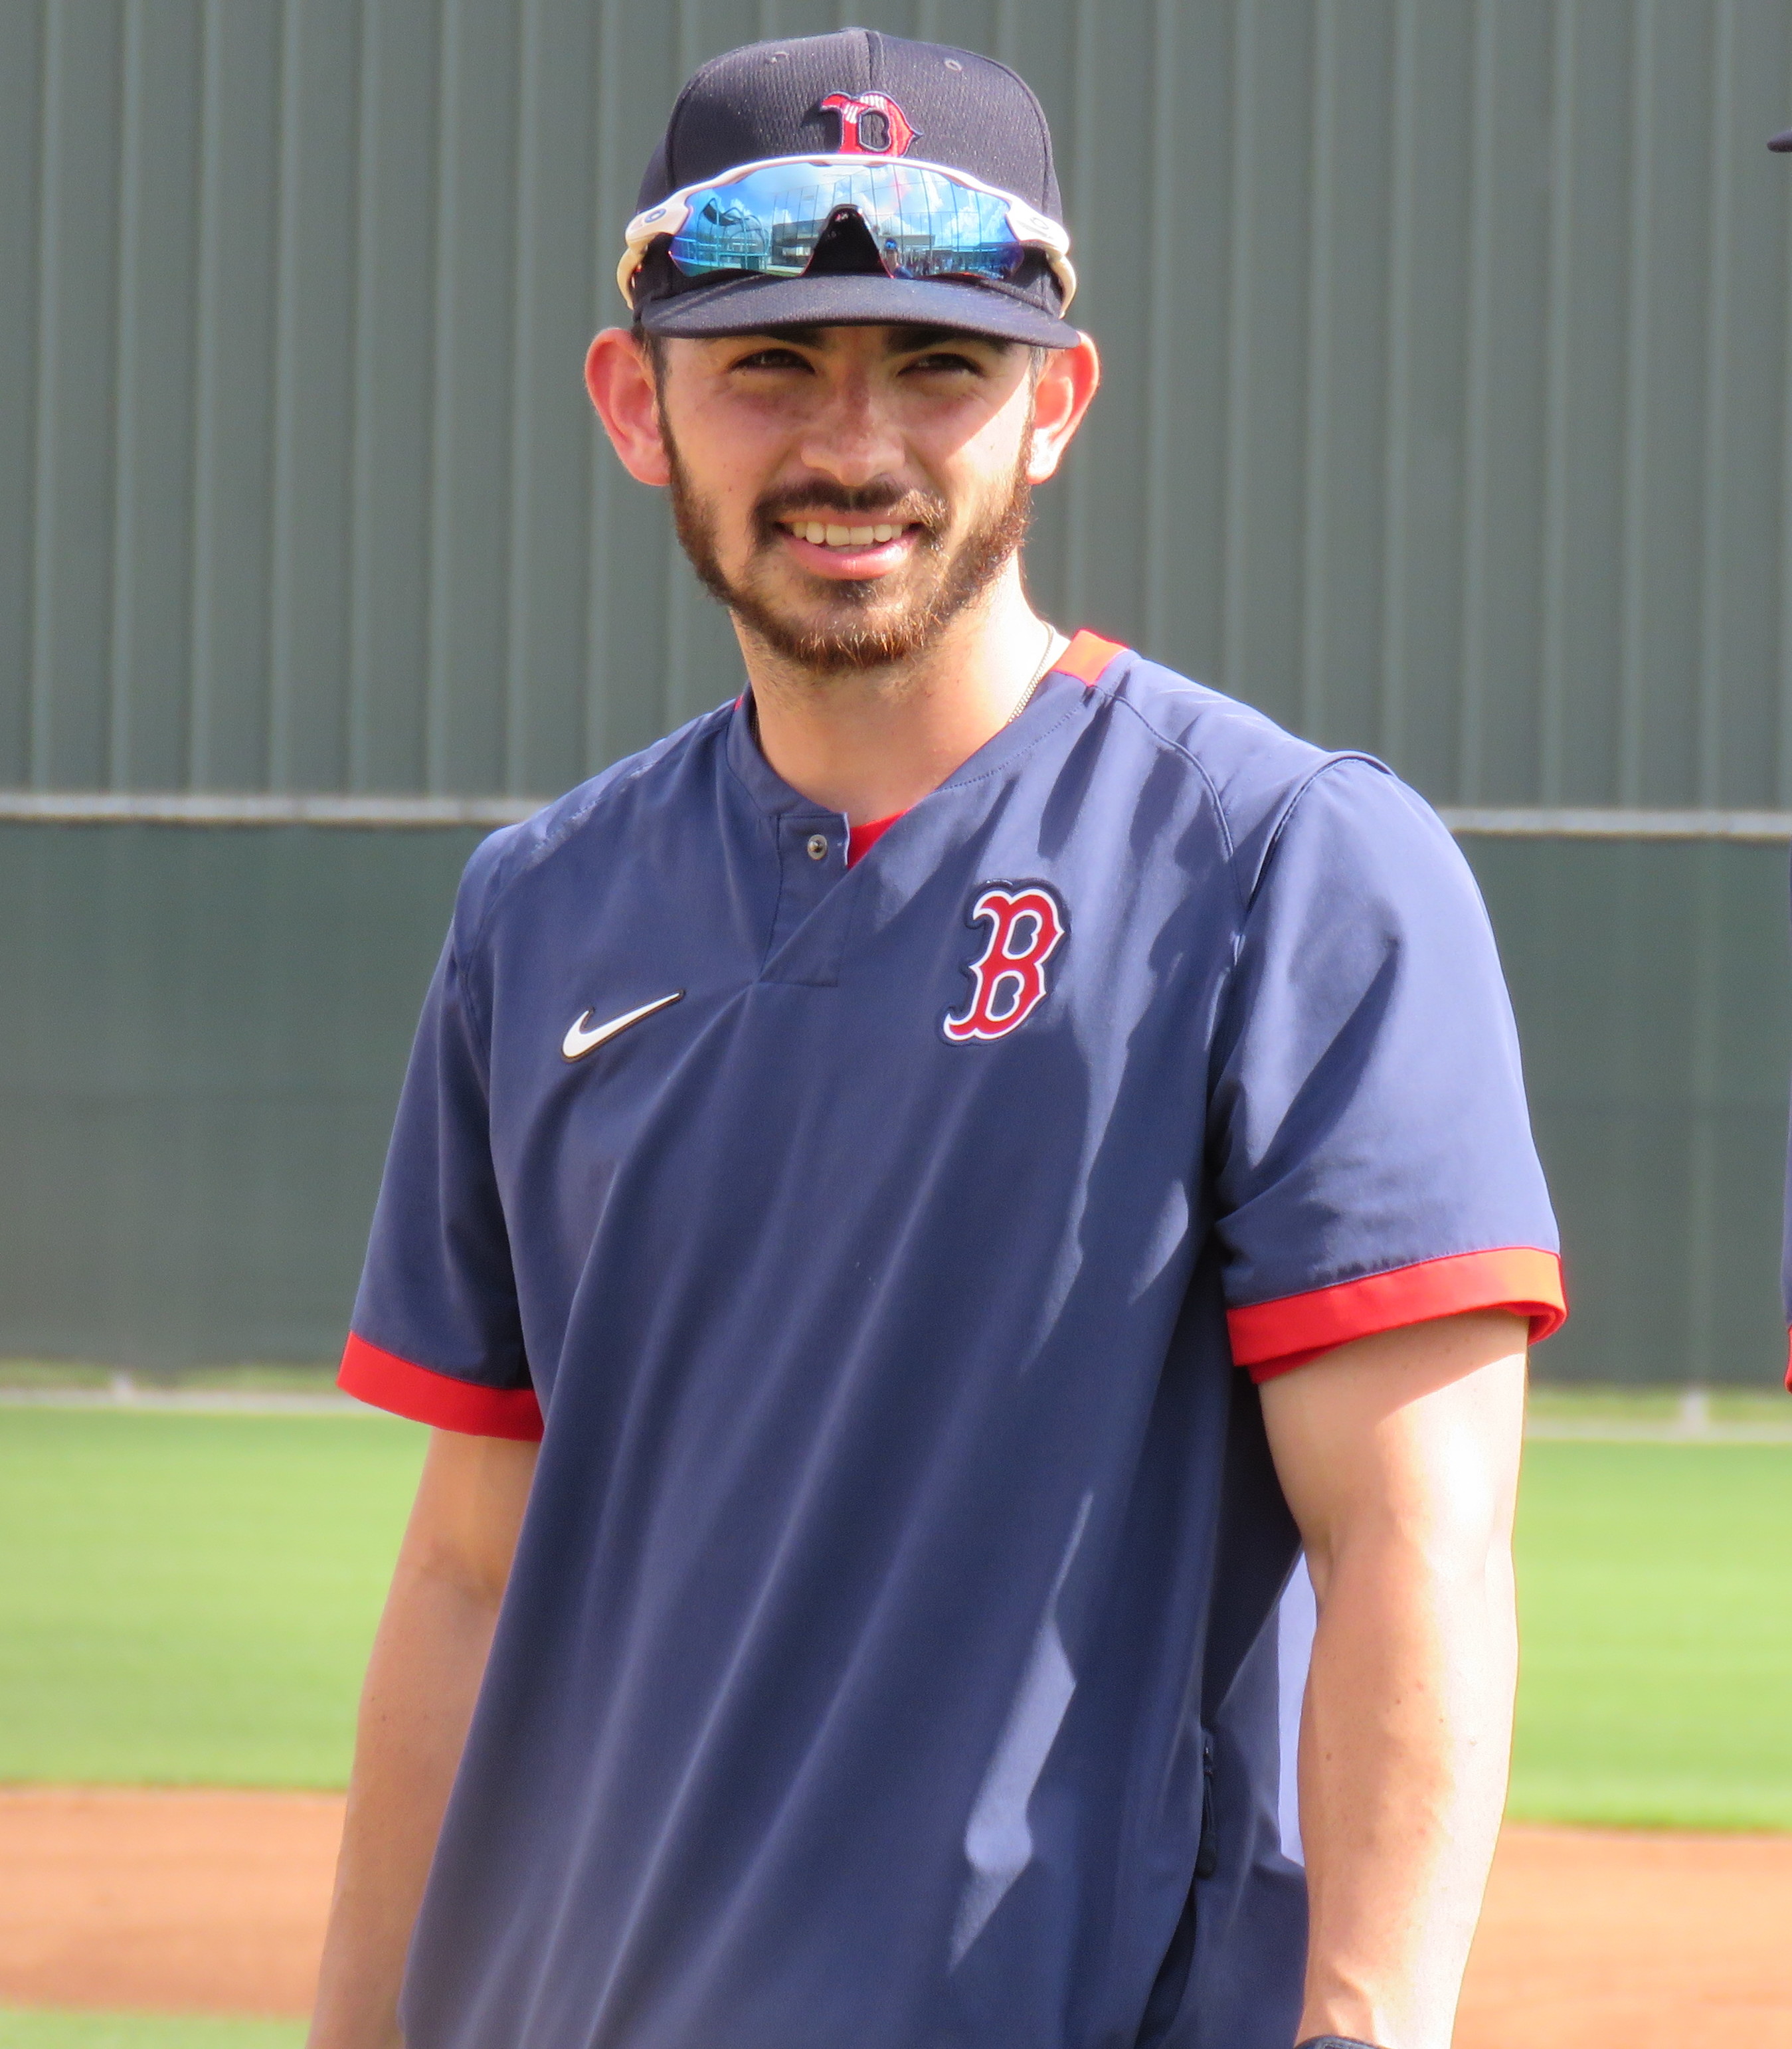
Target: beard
(865,626)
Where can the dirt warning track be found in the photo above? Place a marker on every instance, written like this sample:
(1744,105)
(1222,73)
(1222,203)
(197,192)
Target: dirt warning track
(1607,1939)
(213,1901)
(164,1902)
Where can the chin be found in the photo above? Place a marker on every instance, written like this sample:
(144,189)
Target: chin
(848,614)
(841,640)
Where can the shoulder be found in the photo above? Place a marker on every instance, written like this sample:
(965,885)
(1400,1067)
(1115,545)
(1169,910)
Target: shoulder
(501,862)
(1261,778)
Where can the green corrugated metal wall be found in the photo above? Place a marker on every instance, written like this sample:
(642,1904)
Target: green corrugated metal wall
(1446,411)
(1447,414)
(201,1034)
(201,1038)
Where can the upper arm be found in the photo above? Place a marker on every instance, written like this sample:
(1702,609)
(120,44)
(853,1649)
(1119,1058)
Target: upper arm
(468,1509)
(1413,1433)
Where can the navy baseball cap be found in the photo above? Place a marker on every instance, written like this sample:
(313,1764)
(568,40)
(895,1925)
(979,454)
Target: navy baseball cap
(856,94)
(1781,141)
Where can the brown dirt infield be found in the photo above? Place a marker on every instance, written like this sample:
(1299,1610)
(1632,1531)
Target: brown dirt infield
(164,1902)
(1604,1939)
(211,1901)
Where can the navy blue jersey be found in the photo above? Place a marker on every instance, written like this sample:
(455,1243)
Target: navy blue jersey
(890,1655)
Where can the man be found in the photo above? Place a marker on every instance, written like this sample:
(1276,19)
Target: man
(862,1138)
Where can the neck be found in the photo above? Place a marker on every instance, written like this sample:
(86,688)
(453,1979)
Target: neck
(872,744)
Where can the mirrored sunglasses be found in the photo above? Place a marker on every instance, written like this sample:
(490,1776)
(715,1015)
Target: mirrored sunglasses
(926,222)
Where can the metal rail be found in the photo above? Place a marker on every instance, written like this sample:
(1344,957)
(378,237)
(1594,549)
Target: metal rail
(1563,822)
(225,808)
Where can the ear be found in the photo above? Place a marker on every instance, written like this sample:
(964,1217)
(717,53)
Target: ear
(1065,385)
(620,378)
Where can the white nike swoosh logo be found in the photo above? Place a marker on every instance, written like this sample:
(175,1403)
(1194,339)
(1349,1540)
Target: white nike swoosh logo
(578,1042)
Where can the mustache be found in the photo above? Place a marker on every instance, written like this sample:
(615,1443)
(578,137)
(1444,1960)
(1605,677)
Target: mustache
(886,503)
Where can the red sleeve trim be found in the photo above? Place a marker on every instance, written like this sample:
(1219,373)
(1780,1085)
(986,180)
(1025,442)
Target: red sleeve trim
(1789,1361)
(1271,1338)
(1087,656)
(388,1382)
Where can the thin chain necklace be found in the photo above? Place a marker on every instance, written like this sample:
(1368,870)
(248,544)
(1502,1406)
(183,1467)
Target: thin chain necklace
(1039,674)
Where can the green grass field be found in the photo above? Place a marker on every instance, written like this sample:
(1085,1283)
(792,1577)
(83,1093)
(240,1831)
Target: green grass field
(188,1599)
(21,2029)
(1656,1588)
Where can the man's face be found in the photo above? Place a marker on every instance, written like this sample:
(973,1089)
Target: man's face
(848,491)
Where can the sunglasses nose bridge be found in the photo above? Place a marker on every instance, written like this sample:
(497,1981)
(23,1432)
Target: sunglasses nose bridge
(847,243)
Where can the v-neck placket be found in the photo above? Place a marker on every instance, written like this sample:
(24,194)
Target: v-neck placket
(812,921)
(809,844)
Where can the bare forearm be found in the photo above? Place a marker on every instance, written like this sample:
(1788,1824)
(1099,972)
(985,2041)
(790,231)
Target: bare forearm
(1404,1749)
(1399,1456)
(422,1680)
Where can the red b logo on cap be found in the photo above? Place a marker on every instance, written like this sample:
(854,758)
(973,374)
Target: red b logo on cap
(871,124)
(1008,979)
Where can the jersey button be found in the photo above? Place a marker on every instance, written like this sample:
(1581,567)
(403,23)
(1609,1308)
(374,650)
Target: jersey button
(818,847)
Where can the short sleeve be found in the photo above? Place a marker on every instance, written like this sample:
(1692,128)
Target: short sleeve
(1786,1259)
(435,1335)
(1371,1149)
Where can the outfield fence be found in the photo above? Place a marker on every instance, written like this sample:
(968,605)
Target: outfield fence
(1451,420)
(209,1000)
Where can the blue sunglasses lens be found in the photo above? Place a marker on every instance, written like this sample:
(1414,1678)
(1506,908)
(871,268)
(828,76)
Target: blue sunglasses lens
(924,224)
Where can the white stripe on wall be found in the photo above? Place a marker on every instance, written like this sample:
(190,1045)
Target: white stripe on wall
(228,807)
(224,807)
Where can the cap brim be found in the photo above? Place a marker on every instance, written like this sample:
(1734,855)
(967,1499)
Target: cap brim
(751,305)
(1781,141)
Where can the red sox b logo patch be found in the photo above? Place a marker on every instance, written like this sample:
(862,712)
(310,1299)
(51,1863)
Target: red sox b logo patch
(1026,925)
(871,124)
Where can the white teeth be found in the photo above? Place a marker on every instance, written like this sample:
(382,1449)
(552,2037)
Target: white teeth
(813,531)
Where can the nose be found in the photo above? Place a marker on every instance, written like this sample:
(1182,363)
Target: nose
(852,435)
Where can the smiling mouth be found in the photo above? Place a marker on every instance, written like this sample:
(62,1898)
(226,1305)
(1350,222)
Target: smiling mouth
(822,534)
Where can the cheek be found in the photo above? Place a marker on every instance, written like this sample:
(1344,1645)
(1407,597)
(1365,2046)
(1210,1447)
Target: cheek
(727,474)
(975,460)
(732,448)
(981,475)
